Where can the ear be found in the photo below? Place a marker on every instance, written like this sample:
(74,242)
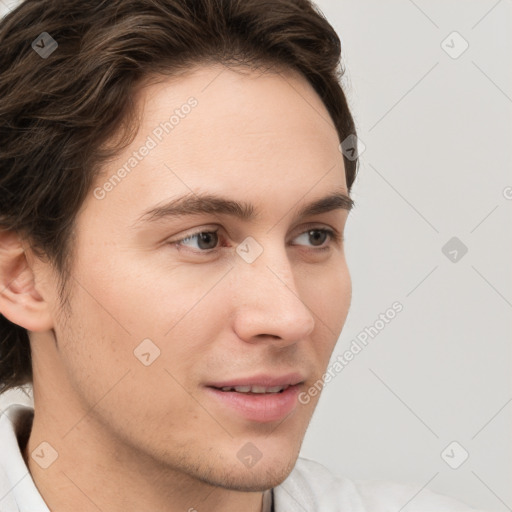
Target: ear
(20,302)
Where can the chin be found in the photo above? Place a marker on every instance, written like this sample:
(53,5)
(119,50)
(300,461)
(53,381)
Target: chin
(253,480)
(265,474)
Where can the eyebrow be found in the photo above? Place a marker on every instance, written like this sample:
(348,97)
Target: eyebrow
(204,203)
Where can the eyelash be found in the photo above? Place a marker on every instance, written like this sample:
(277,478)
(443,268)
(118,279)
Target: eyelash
(333,237)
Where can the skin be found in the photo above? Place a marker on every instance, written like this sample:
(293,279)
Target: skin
(151,432)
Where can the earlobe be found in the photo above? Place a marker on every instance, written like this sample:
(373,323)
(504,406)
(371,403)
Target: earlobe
(20,301)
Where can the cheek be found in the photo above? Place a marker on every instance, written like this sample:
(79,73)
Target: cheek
(128,318)
(151,297)
(104,371)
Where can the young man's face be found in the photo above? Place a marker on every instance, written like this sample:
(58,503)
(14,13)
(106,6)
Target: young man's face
(154,325)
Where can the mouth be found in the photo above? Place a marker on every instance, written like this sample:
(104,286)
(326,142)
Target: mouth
(254,390)
(262,383)
(265,399)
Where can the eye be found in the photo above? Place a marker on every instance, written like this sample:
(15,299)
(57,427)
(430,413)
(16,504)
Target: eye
(319,234)
(206,241)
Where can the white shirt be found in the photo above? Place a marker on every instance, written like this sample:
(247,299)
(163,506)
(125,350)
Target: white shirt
(310,487)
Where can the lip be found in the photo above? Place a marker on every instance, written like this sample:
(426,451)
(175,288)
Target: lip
(263,379)
(260,408)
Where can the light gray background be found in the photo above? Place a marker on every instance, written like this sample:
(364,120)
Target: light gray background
(436,165)
(438,136)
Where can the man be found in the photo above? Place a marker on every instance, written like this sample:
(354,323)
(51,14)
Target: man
(172,268)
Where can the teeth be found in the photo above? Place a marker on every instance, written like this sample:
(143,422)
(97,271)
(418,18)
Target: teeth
(243,389)
(255,389)
(275,389)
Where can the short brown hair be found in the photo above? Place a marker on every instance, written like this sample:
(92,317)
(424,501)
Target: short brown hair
(57,113)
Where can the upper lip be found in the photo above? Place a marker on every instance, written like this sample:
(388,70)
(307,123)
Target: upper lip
(265,380)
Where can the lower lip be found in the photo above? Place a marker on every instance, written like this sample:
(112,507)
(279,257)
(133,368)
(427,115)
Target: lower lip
(260,407)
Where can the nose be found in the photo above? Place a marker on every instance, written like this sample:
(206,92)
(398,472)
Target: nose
(267,301)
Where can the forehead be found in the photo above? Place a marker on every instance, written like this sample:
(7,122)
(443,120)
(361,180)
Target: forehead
(238,112)
(221,129)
